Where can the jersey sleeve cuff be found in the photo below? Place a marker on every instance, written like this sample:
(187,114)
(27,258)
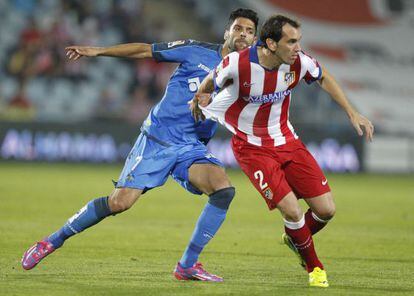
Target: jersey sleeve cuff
(216,86)
(156,54)
(310,79)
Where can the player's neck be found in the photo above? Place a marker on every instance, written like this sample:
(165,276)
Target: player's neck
(225,50)
(268,59)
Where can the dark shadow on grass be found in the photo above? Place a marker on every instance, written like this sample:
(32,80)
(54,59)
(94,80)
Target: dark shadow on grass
(349,289)
(249,254)
(394,260)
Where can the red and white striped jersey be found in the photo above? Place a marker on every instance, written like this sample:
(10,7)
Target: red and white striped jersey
(255,106)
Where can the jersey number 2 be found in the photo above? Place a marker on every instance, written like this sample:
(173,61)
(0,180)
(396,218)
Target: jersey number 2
(258,175)
(194,84)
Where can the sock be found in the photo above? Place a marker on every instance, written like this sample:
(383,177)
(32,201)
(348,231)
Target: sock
(89,215)
(207,225)
(314,222)
(302,238)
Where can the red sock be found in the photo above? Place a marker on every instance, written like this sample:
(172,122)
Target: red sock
(313,224)
(302,238)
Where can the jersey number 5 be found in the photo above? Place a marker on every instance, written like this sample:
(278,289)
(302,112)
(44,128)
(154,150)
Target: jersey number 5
(258,175)
(194,84)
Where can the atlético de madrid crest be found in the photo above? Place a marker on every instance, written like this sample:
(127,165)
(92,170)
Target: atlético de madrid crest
(289,78)
(268,193)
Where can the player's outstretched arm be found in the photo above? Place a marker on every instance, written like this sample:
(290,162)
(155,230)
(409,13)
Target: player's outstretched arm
(329,84)
(202,97)
(128,50)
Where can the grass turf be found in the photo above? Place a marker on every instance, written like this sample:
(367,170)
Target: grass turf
(368,249)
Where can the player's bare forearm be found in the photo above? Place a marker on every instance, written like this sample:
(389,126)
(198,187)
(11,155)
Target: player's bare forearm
(202,97)
(127,50)
(329,84)
(207,85)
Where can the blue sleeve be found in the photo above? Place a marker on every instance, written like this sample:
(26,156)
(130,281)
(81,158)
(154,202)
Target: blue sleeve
(175,52)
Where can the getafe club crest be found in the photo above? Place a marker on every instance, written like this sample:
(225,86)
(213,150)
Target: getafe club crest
(268,193)
(289,78)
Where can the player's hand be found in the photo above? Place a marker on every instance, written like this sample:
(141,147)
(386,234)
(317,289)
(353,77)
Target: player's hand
(359,121)
(76,52)
(202,100)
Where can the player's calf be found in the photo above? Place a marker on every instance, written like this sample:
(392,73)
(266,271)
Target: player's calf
(92,213)
(208,223)
(302,240)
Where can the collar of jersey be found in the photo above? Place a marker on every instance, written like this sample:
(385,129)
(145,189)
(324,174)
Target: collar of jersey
(254,58)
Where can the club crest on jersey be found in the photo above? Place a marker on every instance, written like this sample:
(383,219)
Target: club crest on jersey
(289,78)
(268,193)
(175,43)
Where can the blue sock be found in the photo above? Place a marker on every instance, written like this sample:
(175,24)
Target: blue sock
(208,223)
(89,215)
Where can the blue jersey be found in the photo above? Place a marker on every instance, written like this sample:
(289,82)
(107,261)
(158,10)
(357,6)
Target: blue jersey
(170,120)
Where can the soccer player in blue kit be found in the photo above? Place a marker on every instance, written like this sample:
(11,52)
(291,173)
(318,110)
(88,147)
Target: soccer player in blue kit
(170,143)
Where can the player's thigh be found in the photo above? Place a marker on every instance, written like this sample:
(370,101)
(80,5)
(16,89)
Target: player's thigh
(304,175)
(323,205)
(148,165)
(208,177)
(198,171)
(263,170)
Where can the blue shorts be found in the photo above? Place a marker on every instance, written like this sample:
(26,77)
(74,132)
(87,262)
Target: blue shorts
(150,162)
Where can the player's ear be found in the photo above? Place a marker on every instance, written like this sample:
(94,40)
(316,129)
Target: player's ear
(271,44)
(226,35)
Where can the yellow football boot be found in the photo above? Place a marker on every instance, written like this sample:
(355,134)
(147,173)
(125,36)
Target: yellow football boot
(317,278)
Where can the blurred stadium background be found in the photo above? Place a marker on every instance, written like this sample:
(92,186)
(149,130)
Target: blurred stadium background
(91,110)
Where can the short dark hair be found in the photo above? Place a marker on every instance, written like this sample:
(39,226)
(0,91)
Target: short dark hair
(246,13)
(272,28)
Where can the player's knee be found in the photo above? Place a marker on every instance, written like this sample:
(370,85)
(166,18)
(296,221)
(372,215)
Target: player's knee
(293,214)
(222,198)
(118,205)
(121,200)
(289,208)
(327,213)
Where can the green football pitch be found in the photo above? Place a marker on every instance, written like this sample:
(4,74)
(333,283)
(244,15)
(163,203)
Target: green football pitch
(368,248)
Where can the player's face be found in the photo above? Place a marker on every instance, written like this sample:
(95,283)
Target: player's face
(288,47)
(241,34)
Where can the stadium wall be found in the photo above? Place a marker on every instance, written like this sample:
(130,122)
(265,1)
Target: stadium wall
(110,143)
(390,154)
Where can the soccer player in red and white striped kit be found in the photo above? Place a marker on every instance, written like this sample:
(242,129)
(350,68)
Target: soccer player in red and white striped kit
(253,103)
